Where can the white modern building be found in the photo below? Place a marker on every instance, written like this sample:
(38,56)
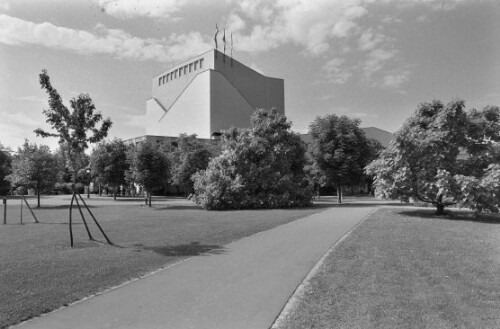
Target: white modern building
(207,94)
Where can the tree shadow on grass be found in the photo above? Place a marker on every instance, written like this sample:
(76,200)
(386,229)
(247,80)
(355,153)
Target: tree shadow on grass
(450,214)
(178,207)
(192,249)
(348,204)
(317,204)
(119,199)
(59,207)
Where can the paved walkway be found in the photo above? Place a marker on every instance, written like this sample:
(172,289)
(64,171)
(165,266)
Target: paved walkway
(244,286)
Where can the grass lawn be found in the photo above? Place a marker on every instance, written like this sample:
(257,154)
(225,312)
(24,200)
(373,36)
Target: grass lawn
(406,268)
(39,271)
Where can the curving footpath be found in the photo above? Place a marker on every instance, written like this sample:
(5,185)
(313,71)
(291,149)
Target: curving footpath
(245,285)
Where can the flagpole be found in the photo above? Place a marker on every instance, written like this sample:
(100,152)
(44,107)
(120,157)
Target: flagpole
(215,39)
(224,40)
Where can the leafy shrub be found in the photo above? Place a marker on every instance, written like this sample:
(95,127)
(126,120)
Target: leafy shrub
(260,167)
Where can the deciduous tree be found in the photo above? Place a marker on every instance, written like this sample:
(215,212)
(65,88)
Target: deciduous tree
(443,155)
(339,150)
(109,163)
(75,129)
(260,167)
(190,156)
(34,167)
(5,169)
(148,167)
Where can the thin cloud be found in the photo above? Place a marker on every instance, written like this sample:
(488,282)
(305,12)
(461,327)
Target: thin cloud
(327,97)
(256,68)
(32,98)
(4,6)
(134,120)
(395,80)
(435,5)
(235,23)
(133,8)
(377,60)
(349,113)
(370,39)
(113,42)
(335,71)
(311,24)
(18,119)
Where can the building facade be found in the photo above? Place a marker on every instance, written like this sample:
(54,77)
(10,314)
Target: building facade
(207,94)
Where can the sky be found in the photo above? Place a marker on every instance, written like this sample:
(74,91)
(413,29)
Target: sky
(367,59)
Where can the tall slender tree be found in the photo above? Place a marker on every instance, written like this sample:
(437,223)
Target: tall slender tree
(75,129)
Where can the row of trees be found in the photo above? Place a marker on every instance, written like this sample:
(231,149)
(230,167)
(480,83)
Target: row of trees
(443,155)
(260,167)
(265,166)
(110,165)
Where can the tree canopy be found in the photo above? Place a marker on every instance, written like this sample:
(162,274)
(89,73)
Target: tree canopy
(34,167)
(109,163)
(5,168)
(339,151)
(443,155)
(75,129)
(148,167)
(190,156)
(260,167)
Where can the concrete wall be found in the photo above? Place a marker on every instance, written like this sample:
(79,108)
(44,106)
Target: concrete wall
(173,83)
(188,114)
(228,107)
(209,99)
(259,91)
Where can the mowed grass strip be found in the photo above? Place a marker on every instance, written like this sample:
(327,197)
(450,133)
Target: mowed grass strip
(40,272)
(406,268)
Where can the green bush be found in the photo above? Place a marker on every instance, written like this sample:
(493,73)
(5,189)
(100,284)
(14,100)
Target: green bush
(65,188)
(260,167)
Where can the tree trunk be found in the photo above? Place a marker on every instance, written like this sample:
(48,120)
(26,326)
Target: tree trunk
(439,209)
(339,193)
(73,185)
(38,196)
(439,205)
(149,198)
(114,192)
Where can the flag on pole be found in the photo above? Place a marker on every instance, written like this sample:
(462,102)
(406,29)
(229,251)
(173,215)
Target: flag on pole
(224,40)
(215,37)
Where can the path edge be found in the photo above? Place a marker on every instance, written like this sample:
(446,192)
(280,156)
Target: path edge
(299,292)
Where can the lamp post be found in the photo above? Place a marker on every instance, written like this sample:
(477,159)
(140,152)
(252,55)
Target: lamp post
(88,186)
